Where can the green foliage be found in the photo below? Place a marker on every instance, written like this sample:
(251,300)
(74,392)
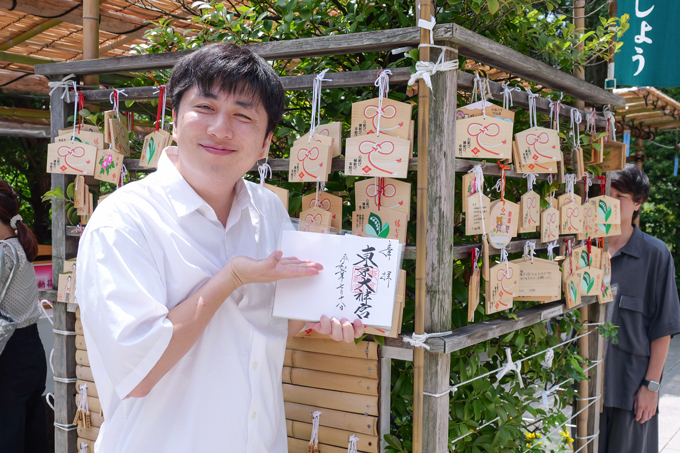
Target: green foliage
(534,29)
(68,199)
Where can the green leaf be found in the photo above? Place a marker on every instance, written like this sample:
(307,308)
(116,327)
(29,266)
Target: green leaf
(573,290)
(70,190)
(378,339)
(393,442)
(493,6)
(375,227)
(587,282)
(583,260)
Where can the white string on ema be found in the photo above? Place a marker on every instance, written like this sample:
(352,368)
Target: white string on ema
(383,84)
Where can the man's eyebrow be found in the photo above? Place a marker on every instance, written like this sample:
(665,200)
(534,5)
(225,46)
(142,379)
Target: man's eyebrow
(245,104)
(207,94)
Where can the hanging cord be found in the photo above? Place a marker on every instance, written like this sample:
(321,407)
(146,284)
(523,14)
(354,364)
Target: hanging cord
(352,446)
(603,184)
(160,113)
(474,432)
(576,119)
(551,247)
(114,98)
(611,124)
(500,184)
(314,440)
(532,108)
(78,104)
(64,83)
(426,69)
(481,89)
(531,180)
(555,112)
(530,250)
(504,259)
(569,181)
(594,400)
(83,448)
(507,95)
(383,83)
(316,103)
(591,119)
(479,186)
(547,361)
(123,175)
(568,253)
(265,169)
(587,183)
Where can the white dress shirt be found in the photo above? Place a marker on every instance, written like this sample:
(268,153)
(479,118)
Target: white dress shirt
(148,247)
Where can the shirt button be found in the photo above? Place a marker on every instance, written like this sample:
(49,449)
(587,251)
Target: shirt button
(253,416)
(254,365)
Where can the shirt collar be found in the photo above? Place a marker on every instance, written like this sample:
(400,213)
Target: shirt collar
(183,197)
(634,245)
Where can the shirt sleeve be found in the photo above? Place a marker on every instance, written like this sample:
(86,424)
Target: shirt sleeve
(666,319)
(122,297)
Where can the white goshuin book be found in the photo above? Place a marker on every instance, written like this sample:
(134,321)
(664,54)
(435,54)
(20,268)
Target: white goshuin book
(359,279)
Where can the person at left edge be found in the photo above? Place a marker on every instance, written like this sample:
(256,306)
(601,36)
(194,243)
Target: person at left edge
(176,272)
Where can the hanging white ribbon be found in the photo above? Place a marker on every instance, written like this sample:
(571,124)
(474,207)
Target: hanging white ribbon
(479,186)
(316,103)
(83,448)
(555,112)
(123,175)
(547,393)
(475,265)
(569,181)
(263,170)
(510,366)
(352,447)
(76,93)
(549,355)
(165,98)
(532,108)
(383,84)
(504,259)
(530,250)
(114,98)
(507,95)
(609,117)
(576,119)
(481,88)
(64,83)
(314,440)
(426,69)
(551,247)
(591,118)
(531,180)
(428,25)
(588,183)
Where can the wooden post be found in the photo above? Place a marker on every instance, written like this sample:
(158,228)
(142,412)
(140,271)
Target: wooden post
(91,36)
(63,247)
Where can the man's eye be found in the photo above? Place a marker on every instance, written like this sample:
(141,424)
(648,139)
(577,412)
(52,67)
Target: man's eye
(243,116)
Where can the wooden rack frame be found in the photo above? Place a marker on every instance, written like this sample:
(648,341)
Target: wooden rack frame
(436,174)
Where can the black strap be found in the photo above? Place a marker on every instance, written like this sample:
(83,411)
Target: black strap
(14,5)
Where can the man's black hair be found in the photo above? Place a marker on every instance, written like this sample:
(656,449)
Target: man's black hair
(229,69)
(631,180)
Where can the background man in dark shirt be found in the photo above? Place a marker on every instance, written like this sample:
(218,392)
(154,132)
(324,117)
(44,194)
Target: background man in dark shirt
(647,311)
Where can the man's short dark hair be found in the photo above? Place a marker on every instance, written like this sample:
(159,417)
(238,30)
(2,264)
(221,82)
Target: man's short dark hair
(230,69)
(631,180)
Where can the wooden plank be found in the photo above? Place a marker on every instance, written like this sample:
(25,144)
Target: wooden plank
(95,406)
(363,350)
(358,423)
(81,359)
(301,446)
(330,399)
(330,381)
(332,436)
(90,433)
(385,398)
(78,327)
(91,387)
(80,342)
(331,363)
(487,51)
(48,294)
(517,245)
(483,331)
(84,373)
(64,367)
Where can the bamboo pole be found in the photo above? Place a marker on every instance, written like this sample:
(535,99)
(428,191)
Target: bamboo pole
(424,10)
(25,36)
(29,60)
(24,113)
(91,36)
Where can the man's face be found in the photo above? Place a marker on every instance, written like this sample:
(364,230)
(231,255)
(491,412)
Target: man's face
(219,136)
(628,205)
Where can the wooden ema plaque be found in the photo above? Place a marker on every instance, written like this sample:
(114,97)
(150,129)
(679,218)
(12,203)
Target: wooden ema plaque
(596,154)
(108,116)
(614,156)
(605,294)
(315,221)
(309,162)
(326,202)
(480,136)
(469,188)
(580,257)
(571,216)
(388,193)
(502,287)
(539,281)
(550,225)
(566,199)
(328,134)
(538,145)
(398,313)
(108,166)
(590,281)
(370,155)
(79,191)
(547,167)
(477,215)
(473,293)
(280,192)
(530,210)
(577,162)
(83,128)
(395,119)
(71,158)
(503,221)
(572,295)
(119,136)
(95,139)
(153,146)
(382,224)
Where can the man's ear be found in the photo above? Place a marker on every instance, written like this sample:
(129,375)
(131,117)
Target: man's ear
(174,126)
(266,145)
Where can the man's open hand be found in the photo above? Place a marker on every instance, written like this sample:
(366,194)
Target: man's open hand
(339,330)
(246,270)
(646,402)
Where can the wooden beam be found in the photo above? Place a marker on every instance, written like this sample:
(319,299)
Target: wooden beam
(108,47)
(9,129)
(25,36)
(29,60)
(24,113)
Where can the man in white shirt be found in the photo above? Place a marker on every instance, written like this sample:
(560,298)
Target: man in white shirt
(176,276)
